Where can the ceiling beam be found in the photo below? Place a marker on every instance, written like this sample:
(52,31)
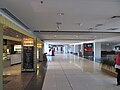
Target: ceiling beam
(85,31)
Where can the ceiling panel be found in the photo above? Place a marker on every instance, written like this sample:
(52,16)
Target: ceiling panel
(79,15)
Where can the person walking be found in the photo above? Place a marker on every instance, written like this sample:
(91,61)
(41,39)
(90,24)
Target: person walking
(117,66)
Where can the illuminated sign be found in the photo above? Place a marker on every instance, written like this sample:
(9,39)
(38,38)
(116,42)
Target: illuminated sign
(39,45)
(28,42)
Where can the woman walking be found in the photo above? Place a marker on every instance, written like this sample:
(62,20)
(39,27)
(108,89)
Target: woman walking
(117,66)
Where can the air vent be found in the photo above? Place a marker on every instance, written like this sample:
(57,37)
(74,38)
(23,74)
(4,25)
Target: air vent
(36,31)
(58,23)
(92,28)
(14,17)
(98,25)
(115,17)
(113,29)
(60,13)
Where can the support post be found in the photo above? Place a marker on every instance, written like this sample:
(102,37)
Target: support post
(1,57)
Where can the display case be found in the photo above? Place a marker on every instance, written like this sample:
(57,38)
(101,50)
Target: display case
(6,60)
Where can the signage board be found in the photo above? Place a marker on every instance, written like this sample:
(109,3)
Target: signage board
(39,45)
(28,54)
(28,42)
(28,58)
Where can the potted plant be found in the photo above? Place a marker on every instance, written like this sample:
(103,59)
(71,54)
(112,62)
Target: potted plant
(107,65)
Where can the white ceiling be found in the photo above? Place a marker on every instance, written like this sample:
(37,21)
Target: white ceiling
(88,13)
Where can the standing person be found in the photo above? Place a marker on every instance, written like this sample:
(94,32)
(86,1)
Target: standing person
(117,66)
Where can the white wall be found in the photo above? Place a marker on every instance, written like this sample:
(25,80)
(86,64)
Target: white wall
(97,51)
(46,48)
(76,49)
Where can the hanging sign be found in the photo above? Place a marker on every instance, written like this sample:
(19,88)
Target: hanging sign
(39,45)
(28,42)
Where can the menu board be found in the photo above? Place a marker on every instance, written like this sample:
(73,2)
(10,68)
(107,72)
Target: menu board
(28,58)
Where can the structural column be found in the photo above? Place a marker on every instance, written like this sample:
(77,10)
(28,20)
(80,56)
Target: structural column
(97,51)
(35,54)
(66,48)
(41,54)
(45,47)
(76,49)
(81,49)
(1,57)
(72,49)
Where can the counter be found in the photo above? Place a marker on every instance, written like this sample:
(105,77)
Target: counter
(15,58)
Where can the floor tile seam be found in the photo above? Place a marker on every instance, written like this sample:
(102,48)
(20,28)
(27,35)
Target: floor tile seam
(66,77)
(55,77)
(63,74)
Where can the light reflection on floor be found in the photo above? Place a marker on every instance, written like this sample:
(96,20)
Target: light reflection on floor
(70,72)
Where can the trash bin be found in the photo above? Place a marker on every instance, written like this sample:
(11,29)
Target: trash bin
(44,57)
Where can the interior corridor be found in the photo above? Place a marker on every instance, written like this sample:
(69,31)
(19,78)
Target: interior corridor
(70,72)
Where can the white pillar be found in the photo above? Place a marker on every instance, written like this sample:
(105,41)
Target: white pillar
(46,48)
(76,49)
(72,48)
(82,49)
(97,51)
(66,48)
(1,57)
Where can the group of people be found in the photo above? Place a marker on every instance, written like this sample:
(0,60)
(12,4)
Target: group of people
(117,66)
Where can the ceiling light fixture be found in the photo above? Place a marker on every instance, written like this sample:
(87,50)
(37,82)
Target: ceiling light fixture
(98,25)
(41,1)
(60,13)
(79,24)
(58,25)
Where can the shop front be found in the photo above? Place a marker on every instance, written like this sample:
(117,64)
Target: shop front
(11,46)
(88,51)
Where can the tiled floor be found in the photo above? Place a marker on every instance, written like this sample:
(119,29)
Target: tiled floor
(37,81)
(64,72)
(70,72)
(13,79)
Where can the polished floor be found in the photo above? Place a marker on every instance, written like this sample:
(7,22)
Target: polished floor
(70,72)
(61,72)
(13,79)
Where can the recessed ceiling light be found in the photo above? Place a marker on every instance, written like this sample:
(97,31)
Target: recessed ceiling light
(60,13)
(79,24)
(93,28)
(90,28)
(41,1)
(58,23)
